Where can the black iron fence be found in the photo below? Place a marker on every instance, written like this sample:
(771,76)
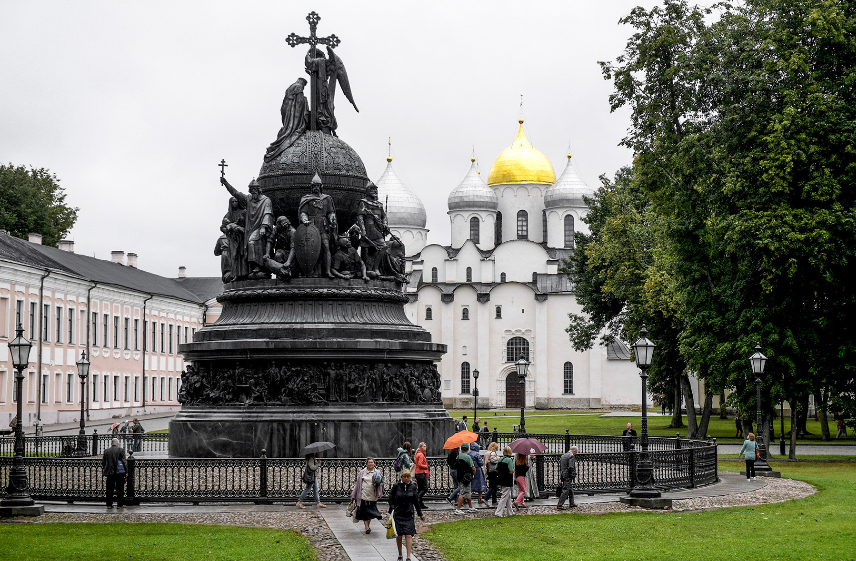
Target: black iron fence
(279,479)
(89,445)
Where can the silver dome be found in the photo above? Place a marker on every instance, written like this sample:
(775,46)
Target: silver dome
(403,207)
(473,193)
(568,190)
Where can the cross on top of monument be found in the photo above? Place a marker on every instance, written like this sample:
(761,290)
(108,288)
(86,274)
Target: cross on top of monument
(313,18)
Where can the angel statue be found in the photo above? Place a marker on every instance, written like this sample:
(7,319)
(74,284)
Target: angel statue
(325,73)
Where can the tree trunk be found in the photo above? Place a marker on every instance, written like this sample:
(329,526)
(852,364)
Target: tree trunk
(747,427)
(723,412)
(768,438)
(692,424)
(824,420)
(705,415)
(677,418)
(802,419)
(792,455)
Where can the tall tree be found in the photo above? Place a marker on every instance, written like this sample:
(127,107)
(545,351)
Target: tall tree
(32,201)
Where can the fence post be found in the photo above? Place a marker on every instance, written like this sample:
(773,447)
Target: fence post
(95,442)
(692,468)
(263,475)
(567,441)
(539,472)
(632,468)
(130,491)
(677,441)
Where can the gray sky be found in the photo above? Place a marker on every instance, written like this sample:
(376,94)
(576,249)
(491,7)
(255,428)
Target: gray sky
(133,104)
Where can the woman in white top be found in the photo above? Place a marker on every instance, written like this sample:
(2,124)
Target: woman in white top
(368,488)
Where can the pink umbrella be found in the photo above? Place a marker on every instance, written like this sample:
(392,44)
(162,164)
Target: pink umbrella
(527,446)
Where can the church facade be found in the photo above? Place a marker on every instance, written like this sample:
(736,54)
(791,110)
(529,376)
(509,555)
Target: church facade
(496,293)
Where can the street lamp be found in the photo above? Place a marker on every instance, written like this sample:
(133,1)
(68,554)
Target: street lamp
(83,372)
(476,396)
(18,499)
(758,362)
(643,484)
(522,369)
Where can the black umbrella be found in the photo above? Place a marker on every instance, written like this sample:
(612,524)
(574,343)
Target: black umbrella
(316,447)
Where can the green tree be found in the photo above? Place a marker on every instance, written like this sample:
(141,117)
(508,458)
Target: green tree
(33,201)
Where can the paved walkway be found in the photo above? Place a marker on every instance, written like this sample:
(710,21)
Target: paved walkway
(359,545)
(150,422)
(802,450)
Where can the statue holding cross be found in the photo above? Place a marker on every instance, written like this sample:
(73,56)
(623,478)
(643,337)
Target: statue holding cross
(325,73)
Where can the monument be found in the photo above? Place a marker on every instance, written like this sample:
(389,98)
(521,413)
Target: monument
(312,342)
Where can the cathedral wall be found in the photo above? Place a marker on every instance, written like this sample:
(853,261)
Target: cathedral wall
(460,224)
(518,260)
(556,224)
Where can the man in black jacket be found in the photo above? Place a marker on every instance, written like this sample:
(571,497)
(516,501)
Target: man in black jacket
(115,470)
(628,434)
(568,472)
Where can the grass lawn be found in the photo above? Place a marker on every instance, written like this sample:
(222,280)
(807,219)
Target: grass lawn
(822,526)
(555,421)
(168,542)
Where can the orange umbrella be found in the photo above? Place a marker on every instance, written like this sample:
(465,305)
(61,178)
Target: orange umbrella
(459,438)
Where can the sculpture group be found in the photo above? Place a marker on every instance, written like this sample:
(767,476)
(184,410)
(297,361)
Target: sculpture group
(254,245)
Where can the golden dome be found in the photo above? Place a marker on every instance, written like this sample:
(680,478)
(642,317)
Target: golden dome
(521,163)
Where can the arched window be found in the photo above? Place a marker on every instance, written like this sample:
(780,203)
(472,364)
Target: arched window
(429,314)
(515,348)
(465,313)
(499,312)
(569,231)
(502,277)
(544,226)
(469,274)
(569,378)
(465,377)
(474,229)
(497,229)
(433,274)
(522,225)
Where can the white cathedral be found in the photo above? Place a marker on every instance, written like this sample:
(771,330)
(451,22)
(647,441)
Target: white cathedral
(496,292)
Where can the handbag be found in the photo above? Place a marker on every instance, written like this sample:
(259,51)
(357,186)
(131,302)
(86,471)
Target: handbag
(757,454)
(308,477)
(390,528)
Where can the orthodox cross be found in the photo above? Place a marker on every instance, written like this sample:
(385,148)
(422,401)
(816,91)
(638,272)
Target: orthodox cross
(313,40)
(223,165)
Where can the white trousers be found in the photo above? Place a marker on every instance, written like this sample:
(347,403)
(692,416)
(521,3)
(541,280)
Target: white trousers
(505,500)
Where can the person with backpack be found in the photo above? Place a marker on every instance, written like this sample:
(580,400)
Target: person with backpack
(491,459)
(452,462)
(505,479)
(466,474)
(402,459)
(115,470)
(568,472)
(478,484)
(422,473)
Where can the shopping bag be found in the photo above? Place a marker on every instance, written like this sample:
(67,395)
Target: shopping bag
(390,528)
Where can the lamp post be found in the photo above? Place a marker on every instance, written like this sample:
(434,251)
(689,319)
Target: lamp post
(18,500)
(82,372)
(522,369)
(758,362)
(643,485)
(476,396)
(782,429)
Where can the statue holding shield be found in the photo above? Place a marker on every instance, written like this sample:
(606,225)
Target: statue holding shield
(318,225)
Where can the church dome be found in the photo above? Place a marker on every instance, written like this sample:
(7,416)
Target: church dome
(521,163)
(403,207)
(568,190)
(472,193)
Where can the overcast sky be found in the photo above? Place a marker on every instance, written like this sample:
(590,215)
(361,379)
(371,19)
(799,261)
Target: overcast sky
(133,104)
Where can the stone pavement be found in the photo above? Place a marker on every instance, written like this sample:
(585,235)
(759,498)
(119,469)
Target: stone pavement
(726,450)
(359,545)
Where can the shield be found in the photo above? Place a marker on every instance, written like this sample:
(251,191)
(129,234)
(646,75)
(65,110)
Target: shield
(307,247)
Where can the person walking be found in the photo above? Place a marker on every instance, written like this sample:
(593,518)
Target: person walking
(490,461)
(466,474)
(484,434)
(463,424)
(738,427)
(310,481)
(505,479)
(367,489)
(403,459)
(749,453)
(138,431)
(115,470)
(629,435)
(568,472)
(403,500)
(842,429)
(420,464)
(476,425)
(452,462)
(521,468)
(478,484)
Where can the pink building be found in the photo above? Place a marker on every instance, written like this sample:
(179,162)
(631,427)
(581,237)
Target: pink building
(130,323)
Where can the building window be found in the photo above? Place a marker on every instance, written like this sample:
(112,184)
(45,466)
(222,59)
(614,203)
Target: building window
(162,387)
(32,321)
(429,313)
(469,274)
(126,388)
(515,348)
(71,326)
(170,338)
(115,388)
(544,226)
(154,386)
(45,382)
(69,388)
(169,389)
(136,334)
(569,378)
(465,377)
(105,331)
(136,388)
(465,313)
(522,225)
(434,274)
(163,339)
(497,229)
(126,334)
(154,337)
(177,337)
(474,229)
(499,312)
(19,315)
(94,329)
(46,314)
(115,332)
(58,325)
(106,387)
(185,335)
(192,332)
(569,231)
(502,277)
(95,387)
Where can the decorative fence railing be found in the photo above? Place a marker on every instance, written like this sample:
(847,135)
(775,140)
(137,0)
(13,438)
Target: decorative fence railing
(279,479)
(90,445)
